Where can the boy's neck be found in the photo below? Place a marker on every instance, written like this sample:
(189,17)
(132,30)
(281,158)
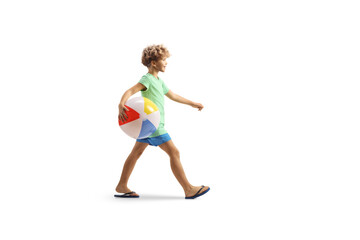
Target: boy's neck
(154,72)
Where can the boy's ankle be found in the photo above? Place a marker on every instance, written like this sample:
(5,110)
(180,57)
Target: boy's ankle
(121,188)
(188,188)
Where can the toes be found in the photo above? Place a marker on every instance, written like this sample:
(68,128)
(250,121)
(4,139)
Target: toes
(204,189)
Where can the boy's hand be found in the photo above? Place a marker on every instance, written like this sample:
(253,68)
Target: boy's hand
(122,113)
(198,106)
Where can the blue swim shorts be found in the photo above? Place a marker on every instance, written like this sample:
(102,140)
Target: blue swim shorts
(156,141)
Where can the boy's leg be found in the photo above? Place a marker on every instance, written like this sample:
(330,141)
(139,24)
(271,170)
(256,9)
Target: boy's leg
(177,169)
(129,166)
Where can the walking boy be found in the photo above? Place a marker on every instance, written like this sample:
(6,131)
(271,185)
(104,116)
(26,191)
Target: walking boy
(152,87)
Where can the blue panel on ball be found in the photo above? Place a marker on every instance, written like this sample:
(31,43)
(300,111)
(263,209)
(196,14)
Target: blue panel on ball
(147,129)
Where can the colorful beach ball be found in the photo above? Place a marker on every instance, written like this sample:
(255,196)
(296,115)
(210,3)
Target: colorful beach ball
(143,118)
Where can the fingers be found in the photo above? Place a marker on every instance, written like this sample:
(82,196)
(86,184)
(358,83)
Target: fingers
(200,106)
(123,117)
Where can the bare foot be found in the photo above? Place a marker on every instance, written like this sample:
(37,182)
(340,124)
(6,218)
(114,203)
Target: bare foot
(193,190)
(120,189)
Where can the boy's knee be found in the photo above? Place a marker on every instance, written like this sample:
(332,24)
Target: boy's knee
(137,153)
(140,152)
(175,153)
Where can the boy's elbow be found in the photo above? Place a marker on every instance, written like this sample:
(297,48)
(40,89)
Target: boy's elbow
(129,92)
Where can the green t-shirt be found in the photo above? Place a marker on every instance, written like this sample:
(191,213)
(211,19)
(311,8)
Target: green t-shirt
(155,91)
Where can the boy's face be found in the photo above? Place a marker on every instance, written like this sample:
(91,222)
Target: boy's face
(160,65)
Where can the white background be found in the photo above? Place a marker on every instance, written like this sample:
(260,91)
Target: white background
(277,142)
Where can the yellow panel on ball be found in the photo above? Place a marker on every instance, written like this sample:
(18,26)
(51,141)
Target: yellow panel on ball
(149,106)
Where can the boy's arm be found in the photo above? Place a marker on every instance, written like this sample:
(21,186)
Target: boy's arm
(177,98)
(131,91)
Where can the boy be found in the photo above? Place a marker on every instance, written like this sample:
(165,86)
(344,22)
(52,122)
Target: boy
(152,87)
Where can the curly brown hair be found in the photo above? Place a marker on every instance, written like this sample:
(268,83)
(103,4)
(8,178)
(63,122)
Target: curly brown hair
(153,53)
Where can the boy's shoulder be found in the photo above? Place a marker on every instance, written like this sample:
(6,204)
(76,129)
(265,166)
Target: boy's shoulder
(145,77)
(151,78)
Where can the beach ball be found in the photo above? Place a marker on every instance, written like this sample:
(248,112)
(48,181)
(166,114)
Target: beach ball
(143,118)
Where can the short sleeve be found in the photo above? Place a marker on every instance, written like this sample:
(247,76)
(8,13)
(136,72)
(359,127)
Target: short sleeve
(165,88)
(145,81)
